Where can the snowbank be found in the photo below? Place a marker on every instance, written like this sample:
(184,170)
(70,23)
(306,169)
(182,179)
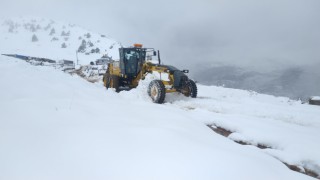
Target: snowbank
(57,126)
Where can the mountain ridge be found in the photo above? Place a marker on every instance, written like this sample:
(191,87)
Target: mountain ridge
(40,37)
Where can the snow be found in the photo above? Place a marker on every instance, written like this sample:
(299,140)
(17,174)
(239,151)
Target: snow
(19,40)
(316,98)
(57,126)
(290,128)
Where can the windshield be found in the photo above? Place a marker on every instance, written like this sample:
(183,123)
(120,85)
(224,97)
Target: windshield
(132,54)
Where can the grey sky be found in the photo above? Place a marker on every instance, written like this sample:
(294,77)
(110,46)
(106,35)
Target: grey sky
(271,33)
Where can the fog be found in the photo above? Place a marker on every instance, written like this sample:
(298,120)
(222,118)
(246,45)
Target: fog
(258,35)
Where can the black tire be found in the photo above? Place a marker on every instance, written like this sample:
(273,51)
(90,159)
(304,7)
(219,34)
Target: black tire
(106,80)
(114,82)
(191,89)
(157,91)
(111,81)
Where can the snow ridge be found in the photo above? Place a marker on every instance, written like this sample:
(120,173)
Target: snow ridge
(39,37)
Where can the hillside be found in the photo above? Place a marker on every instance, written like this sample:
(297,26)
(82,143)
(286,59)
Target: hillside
(57,126)
(296,82)
(39,37)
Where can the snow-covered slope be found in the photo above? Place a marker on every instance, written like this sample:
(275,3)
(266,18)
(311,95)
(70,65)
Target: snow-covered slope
(39,37)
(57,126)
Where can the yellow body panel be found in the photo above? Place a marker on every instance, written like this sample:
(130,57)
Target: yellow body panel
(148,67)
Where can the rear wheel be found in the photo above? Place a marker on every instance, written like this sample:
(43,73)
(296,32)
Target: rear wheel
(106,79)
(114,83)
(190,89)
(111,81)
(157,91)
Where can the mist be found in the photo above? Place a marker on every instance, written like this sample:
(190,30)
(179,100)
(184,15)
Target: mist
(260,36)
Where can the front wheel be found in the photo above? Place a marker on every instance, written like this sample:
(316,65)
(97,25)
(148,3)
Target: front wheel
(190,89)
(157,91)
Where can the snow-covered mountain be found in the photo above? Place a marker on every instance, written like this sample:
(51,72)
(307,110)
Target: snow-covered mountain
(39,37)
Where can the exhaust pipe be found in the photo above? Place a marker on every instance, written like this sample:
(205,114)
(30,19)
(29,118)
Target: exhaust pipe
(159,57)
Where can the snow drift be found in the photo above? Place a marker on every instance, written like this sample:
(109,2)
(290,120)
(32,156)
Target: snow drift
(57,126)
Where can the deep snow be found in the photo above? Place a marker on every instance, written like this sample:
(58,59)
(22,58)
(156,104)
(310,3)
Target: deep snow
(57,126)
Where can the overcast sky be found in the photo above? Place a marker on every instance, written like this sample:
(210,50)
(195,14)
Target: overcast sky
(270,33)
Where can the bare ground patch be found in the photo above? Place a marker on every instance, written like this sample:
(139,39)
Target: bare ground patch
(224,132)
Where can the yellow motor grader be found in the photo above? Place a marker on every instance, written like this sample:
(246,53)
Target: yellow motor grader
(133,66)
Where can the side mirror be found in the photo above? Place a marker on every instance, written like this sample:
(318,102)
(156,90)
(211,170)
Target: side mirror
(185,71)
(154,53)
